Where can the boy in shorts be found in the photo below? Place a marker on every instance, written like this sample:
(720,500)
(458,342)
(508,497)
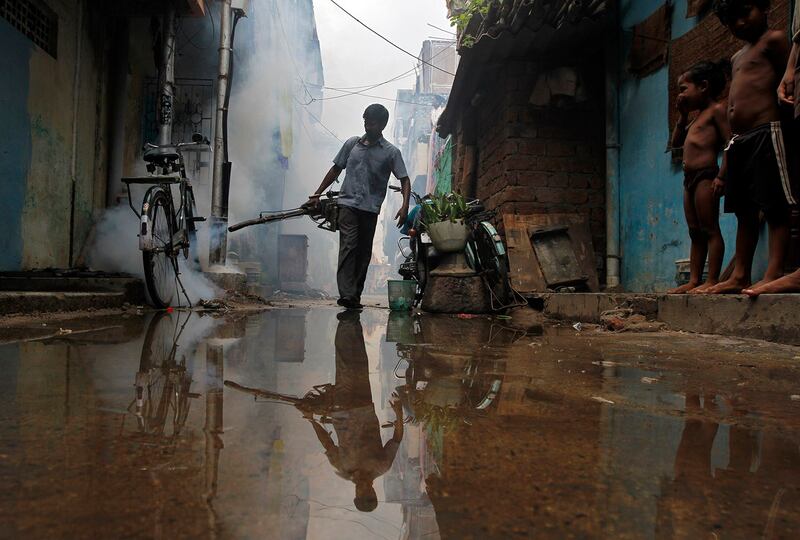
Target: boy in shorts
(789,96)
(702,140)
(757,176)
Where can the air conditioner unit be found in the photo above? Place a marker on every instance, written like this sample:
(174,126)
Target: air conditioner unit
(241,5)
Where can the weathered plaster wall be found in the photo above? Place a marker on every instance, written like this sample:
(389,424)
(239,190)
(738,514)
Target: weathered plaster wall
(39,113)
(15,134)
(654,232)
(46,210)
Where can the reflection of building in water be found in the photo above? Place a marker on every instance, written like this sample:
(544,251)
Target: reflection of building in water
(284,336)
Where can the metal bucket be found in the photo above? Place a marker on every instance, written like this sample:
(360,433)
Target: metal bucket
(401,294)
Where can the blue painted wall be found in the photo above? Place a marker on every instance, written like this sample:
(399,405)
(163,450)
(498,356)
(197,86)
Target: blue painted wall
(654,232)
(15,141)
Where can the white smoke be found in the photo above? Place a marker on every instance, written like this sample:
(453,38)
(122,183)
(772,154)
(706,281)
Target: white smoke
(115,248)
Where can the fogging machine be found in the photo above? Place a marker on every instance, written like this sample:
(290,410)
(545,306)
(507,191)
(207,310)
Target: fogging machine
(324,212)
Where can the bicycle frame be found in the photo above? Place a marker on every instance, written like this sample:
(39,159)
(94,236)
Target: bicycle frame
(184,211)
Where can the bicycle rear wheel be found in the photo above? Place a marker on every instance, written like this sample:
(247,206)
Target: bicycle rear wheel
(492,260)
(161,262)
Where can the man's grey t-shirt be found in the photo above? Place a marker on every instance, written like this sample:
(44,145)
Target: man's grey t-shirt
(367,171)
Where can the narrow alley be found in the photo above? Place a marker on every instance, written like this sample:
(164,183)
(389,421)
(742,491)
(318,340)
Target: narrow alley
(400,269)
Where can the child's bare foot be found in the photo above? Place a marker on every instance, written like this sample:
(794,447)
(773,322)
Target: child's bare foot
(683,289)
(730,286)
(787,284)
(703,288)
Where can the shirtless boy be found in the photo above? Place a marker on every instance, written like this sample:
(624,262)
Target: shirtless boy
(757,175)
(788,95)
(702,141)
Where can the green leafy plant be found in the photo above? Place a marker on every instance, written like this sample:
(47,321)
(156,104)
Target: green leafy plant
(461,16)
(450,207)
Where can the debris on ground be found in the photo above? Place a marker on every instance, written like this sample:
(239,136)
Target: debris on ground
(603,400)
(577,326)
(626,320)
(214,305)
(795,397)
(605,363)
(64,331)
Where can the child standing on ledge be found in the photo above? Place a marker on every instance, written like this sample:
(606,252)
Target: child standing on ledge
(702,141)
(758,178)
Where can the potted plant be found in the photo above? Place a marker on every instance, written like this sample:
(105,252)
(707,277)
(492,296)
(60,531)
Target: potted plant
(443,217)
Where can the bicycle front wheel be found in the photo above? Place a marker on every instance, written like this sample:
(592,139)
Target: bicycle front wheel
(161,262)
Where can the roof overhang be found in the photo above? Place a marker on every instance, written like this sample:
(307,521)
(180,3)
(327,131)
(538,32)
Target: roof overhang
(517,29)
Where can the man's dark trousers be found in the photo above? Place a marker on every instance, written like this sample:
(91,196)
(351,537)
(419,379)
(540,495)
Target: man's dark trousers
(356,231)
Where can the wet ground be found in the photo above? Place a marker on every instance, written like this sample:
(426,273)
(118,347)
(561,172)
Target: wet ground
(116,427)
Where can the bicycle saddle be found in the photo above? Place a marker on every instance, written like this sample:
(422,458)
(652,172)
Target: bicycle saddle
(161,154)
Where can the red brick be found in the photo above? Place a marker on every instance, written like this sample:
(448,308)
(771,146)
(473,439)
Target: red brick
(579,180)
(532,179)
(560,149)
(531,147)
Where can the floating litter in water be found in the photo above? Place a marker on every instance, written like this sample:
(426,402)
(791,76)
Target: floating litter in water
(602,400)
(795,397)
(64,331)
(649,380)
(604,363)
(577,326)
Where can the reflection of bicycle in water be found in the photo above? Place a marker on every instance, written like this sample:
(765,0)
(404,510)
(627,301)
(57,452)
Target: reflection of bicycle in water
(162,383)
(444,392)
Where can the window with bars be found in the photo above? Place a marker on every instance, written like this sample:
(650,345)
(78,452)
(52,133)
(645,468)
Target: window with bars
(34,19)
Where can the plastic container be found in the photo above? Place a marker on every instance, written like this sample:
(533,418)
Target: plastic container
(401,294)
(683,271)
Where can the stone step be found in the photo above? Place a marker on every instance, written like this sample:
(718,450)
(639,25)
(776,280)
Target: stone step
(51,301)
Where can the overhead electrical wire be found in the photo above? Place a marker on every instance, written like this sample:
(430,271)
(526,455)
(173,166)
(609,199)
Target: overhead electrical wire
(387,40)
(367,88)
(443,30)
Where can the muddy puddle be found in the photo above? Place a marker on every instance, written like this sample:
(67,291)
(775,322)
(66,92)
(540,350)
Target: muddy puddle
(306,423)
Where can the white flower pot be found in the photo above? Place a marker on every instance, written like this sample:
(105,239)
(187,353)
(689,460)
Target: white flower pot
(448,237)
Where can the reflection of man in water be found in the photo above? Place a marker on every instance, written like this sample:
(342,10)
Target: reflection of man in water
(360,457)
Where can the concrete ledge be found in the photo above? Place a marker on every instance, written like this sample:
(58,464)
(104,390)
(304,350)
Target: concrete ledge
(772,317)
(31,301)
(587,307)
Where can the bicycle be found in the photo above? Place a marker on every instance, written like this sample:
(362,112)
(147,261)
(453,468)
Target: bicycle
(164,230)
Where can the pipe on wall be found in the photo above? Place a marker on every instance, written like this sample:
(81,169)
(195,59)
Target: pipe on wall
(73,167)
(613,256)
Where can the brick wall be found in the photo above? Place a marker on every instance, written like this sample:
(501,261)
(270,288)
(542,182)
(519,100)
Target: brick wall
(534,160)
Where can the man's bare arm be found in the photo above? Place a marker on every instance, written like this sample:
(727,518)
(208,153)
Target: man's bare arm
(786,87)
(778,50)
(721,119)
(324,437)
(330,178)
(680,131)
(405,189)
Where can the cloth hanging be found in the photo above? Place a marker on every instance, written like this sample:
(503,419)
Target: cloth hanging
(650,46)
(696,7)
(553,85)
